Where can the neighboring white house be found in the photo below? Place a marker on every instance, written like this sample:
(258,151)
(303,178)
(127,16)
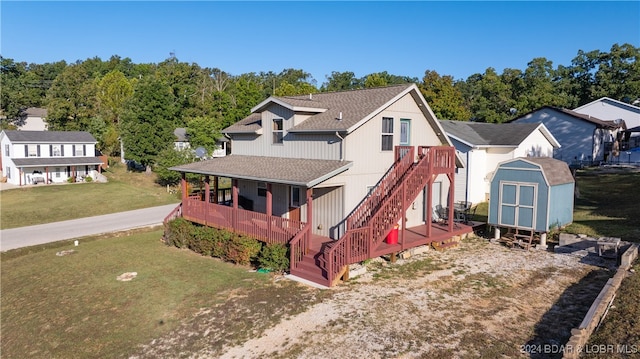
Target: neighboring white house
(482,146)
(182,142)
(610,109)
(584,139)
(30,157)
(36,119)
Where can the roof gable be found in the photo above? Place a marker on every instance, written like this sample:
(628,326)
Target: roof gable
(586,118)
(613,102)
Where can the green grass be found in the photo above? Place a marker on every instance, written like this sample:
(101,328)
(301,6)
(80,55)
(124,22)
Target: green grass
(608,205)
(73,307)
(44,204)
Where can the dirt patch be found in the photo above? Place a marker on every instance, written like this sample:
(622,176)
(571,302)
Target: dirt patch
(477,300)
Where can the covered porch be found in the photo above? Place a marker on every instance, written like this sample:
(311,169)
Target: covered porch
(271,199)
(55,170)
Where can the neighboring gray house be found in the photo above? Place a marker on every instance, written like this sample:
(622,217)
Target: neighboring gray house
(30,157)
(483,145)
(584,139)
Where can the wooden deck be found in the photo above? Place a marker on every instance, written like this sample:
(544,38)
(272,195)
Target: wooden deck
(310,267)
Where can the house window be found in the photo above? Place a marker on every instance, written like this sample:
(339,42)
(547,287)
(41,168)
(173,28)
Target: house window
(295,196)
(33,151)
(262,189)
(405,132)
(8,171)
(6,150)
(278,130)
(57,172)
(56,150)
(387,134)
(79,151)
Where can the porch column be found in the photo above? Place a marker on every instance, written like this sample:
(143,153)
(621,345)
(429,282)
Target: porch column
(309,216)
(207,194)
(234,213)
(46,177)
(20,175)
(215,190)
(269,201)
(450,202)
(183,186)
(428,218)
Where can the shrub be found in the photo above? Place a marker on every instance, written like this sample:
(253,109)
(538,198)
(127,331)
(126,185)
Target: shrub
(88,179)
(178,232)
(274,257)
(242,250)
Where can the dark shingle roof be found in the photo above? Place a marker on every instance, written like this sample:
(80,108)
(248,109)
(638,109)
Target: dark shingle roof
(295,171)
(36,112)
(354,105)
(489,134)
(556,171)
(56,161)
(50,136)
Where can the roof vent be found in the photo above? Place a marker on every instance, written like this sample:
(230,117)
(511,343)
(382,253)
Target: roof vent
(310,96)
(340,116)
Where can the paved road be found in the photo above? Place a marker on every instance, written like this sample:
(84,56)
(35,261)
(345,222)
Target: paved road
(75,228)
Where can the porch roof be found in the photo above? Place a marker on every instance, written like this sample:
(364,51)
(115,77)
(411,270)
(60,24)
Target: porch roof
(56,161)
(293,171)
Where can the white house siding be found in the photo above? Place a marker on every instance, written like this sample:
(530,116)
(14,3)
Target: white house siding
(364,148)
(574,135)
(609,110)
(327,223)
(535,145)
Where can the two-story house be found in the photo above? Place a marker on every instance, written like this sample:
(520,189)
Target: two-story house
(31,157)
(331,175)
(482,146)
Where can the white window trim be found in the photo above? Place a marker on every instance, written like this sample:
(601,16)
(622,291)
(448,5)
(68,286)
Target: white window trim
(274,131)
(386,134)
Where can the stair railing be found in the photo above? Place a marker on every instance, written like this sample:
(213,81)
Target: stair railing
(357,243)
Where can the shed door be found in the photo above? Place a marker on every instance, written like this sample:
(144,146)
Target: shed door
(517,204)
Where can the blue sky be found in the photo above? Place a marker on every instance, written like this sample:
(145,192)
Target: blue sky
(403,38)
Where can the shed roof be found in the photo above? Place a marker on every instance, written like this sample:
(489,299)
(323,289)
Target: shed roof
(599,123)
(293,171)
(555,171)
(50,136)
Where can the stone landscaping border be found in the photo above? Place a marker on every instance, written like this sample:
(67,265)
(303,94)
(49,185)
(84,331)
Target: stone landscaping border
(580,336)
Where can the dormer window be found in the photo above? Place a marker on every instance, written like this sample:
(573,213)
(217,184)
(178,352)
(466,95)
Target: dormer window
(278,131)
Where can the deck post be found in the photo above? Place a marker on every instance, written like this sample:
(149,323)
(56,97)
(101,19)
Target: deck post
(269,200)
(450,203)
(428,218)
(215,190)
(234,218)
(403,215)
(207,198)
(309,216)
(183,186)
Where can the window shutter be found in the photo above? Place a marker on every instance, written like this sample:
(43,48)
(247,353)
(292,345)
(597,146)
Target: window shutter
(50,150)
(73,150)
(62,150)
(38,150)
(84,150)
(26,150)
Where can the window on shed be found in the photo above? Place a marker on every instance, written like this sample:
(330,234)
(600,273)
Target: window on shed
(278,130)
(387,134)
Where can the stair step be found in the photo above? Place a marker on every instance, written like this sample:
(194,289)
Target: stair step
(443,245)
(314,277)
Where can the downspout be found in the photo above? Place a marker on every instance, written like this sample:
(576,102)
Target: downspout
(466,189)
(342,146)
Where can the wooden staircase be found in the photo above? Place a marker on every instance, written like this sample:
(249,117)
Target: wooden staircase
(371,221)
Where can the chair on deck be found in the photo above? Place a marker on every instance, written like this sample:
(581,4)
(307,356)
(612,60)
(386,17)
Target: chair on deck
(443,214)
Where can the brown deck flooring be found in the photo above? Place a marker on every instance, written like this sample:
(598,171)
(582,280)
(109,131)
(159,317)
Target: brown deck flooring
(412,237)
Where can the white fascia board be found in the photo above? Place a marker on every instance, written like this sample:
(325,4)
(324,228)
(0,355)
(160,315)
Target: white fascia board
(545,132)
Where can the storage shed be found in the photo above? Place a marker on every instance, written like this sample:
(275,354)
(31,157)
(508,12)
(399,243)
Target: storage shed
(532,194)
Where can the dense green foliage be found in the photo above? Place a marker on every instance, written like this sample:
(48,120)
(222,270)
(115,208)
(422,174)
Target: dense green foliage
(141,104)
(212,242)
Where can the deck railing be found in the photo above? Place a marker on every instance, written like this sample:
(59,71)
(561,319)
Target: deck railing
(357,243)
(299,246)
(269,229)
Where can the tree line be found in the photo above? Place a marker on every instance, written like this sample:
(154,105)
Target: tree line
(133,109)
